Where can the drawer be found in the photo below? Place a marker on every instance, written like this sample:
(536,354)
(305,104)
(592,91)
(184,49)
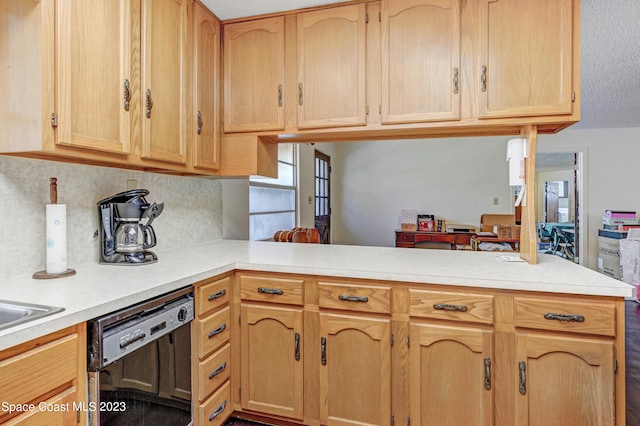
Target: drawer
(214,371)
(215,410)
(35,372)
(213,331)
(354,297)
(463,239)
(561,315)
(405,237)
(212,295)
(451,306)
(436,238)
(272,289)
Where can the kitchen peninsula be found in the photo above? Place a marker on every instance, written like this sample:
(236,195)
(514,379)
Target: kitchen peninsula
(512,318)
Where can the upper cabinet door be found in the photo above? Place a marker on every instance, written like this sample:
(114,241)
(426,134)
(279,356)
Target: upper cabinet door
(525,62)
(331,67)
(94,82)
(205,125)
(254,75)
(165,89)
(420,60)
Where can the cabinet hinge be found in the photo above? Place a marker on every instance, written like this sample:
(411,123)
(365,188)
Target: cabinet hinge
(408,421)
(78,416)
(392,339)
(573,96)
(393,419)
(379,16)
(367,110)
(408,341)
(239,320)
(615,365)
(54,120)
(366,18)
(380,109)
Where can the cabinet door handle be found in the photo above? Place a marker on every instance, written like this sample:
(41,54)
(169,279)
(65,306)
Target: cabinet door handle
(279,95)
(218,411)
(564,317)
(149,103)
(218,370)
(127,94)
(483,78)
(349,298)
(199,122)
(300,96)
(456,73)
(450,307)
(323,350)
(217,295)
(218,330)
(267,290)
(487,373)
(297,346)
(523,377)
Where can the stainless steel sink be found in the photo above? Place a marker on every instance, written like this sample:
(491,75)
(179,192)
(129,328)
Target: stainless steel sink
(14,313)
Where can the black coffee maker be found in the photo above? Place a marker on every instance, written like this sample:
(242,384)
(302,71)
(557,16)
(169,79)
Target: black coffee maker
(125,228)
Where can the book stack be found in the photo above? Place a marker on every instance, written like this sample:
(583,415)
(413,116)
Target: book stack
(620,220)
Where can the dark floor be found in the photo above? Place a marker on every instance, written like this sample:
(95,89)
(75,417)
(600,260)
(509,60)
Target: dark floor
(632,343)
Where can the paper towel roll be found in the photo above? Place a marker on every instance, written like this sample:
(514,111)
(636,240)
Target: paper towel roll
(56,238)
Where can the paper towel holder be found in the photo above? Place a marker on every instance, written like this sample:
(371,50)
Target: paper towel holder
(42,275)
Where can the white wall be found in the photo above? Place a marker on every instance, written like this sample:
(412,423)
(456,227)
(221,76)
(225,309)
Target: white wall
(455,178)
(192,209)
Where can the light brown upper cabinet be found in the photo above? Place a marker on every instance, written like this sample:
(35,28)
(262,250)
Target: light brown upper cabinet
(254,75)
(93,104)
(164,80)
(204,122)
(331,67)
(525,59)
(420,60)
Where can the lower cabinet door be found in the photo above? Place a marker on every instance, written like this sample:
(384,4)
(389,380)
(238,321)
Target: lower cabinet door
(217,409)
(355,374)
(271,360)
(564,380)
(451,381)
(58,410)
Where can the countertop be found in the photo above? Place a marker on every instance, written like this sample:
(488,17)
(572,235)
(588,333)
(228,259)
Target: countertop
(98,289)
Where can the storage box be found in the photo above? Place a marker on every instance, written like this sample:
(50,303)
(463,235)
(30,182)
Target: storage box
(502,231)
(609,256)
(630,258)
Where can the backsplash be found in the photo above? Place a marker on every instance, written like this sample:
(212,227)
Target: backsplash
(192,209)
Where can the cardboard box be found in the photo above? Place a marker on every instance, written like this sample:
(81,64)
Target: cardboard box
(515,232)
(609,256)
(630,258)
(502,231)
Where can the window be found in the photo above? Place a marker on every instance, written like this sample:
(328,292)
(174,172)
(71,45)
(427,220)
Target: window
(272,202)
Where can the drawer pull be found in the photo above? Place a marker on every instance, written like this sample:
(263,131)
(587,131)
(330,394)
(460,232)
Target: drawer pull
(487,373)
(267,290)
(297,346)
(218,370)
(349,298)
(523,377)
(218,330)
(450,307)
(564,317)
(323,350)
(217,295)
(218,411)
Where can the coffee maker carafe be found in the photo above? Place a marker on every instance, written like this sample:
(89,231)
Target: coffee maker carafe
(125,228)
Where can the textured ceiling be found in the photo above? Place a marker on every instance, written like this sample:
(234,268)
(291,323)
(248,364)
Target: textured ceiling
(610,50)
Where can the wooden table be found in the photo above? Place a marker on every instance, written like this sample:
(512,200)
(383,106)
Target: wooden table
(476,240)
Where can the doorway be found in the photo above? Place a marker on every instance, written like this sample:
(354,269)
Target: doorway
(558,182)
(322,198)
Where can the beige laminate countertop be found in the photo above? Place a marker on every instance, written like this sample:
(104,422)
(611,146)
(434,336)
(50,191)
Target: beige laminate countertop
(99,289)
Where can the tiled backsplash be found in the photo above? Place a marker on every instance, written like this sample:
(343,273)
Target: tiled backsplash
(192,209)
